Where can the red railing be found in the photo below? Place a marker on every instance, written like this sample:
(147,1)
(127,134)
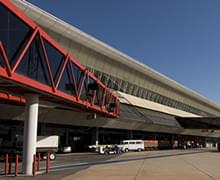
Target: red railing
(69,81)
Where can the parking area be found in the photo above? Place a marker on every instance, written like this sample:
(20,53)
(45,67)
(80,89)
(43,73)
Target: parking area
(156,165)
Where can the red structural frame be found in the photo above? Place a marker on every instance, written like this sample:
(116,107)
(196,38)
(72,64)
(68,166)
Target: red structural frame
(9,73)
(10,98)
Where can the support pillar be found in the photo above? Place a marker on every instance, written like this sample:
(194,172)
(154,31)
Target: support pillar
(130,135)
(95,136)
(173,141)
(30,132)
(67,134)
(155,136)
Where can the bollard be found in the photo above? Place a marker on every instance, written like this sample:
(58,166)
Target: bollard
(38,161)
(16,165)
(34,165)
(6,164)
(47,163)
(10,162)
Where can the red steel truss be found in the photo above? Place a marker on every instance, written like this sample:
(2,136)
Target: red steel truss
(33,70)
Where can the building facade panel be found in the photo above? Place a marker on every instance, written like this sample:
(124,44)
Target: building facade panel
(120,67)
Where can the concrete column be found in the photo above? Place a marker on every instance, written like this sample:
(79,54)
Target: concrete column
(130,135)
(95,136)
(103,138)
(155,136)
(67,134)
(173,141)
(30,132)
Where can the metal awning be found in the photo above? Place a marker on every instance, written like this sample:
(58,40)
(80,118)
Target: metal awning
(199,122)
(148,116)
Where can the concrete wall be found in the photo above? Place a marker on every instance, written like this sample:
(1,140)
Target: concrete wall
(97,61)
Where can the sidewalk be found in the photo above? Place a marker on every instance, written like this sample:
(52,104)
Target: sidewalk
(204,166)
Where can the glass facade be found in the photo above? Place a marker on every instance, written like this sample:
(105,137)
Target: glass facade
(66,84)
(13,34)
(2,62)
(132,89)
(55,58)
(77,73)
(33,64)
(47,64)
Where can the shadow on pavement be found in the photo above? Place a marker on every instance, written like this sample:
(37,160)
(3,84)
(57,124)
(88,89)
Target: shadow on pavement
(61,171)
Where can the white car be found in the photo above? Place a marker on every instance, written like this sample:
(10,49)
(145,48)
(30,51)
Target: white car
(133,145)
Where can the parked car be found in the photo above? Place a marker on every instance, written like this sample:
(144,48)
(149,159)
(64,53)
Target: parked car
(133,145)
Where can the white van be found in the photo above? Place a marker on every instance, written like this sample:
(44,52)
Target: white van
(133,145)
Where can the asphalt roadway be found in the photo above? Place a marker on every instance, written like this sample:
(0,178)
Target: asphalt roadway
(192,164)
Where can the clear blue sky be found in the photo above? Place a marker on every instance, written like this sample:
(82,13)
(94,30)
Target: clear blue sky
(179,38)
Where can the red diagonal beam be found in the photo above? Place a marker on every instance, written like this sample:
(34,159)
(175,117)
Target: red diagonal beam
(99,96)
(81,84)
(9,73)
(74,80)
(61,72)
(25,49)
(47,62)
(5,59)
(103,98)
(94,96)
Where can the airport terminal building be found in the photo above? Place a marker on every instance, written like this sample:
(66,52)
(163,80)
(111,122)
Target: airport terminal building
(149,101)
